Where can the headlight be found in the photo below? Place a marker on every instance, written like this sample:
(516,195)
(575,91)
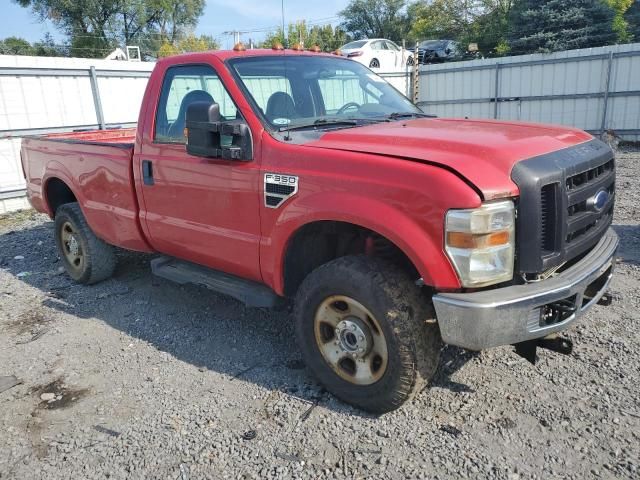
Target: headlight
(480,243)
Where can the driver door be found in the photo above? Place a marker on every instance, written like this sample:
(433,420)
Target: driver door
(204,210)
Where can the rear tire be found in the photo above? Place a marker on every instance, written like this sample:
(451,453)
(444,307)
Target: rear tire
(360,297)
(85,257)
(374,63)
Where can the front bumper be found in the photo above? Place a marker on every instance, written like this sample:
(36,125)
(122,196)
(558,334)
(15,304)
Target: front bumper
(509,315)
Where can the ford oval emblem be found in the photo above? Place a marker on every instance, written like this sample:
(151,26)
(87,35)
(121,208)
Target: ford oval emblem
(599,200)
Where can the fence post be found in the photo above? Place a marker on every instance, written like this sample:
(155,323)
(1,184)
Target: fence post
(416,76)
(96,97)
(606,94)
(496,92)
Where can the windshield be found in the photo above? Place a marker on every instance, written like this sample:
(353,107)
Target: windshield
(356,44)
(290,90)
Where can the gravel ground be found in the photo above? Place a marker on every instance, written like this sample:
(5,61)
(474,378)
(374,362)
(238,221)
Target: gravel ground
(140,378)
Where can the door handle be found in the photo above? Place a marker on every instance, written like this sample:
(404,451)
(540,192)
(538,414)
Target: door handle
(147,172)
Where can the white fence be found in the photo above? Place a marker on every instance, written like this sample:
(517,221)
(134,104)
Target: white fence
(42,94)
(594,89)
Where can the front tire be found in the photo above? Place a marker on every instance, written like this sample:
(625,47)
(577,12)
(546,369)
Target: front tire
(361,324)
(85,257)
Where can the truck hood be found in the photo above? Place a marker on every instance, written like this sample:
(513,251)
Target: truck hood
(481,151)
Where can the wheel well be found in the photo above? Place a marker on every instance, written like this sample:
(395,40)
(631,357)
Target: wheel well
(58,193)
(317,243)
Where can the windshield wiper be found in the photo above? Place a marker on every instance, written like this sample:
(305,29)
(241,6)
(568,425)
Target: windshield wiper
(400,115)
(321,122)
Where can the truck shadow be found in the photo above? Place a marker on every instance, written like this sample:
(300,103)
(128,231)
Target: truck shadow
(193,324)
(629,249)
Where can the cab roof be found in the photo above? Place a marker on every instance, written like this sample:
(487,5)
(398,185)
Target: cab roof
(256,52)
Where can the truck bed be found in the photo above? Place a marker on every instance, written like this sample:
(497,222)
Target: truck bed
(97,166)
(124,137)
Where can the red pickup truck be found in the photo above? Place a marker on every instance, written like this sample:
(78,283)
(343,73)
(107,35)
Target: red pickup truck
(272,174)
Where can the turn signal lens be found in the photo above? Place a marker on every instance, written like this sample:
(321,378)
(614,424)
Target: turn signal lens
(469,240)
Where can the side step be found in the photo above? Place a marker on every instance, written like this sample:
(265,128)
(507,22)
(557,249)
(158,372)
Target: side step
(253,294)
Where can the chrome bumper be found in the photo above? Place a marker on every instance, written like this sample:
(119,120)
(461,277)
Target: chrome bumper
(512,314)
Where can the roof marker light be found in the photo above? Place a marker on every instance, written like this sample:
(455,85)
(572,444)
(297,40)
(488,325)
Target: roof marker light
(239,47)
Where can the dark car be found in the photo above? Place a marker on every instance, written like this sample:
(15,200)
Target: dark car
(438,51)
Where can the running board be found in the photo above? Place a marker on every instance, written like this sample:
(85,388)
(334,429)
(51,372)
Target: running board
(252,294)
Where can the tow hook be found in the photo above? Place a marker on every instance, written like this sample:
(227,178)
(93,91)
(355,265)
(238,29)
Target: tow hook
(553,342)
(606,300)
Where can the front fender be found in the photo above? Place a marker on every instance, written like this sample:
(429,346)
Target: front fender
(421,245)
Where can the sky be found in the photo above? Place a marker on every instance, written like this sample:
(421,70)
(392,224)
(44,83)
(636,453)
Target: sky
(219,16)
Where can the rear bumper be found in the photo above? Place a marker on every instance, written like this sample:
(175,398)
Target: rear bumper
(509,315)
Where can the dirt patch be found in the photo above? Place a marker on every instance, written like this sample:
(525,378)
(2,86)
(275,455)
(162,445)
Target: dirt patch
(17,218)
(31,321)
(62,396)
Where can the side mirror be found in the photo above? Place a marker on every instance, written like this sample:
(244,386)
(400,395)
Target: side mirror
(206,133)
(203,129)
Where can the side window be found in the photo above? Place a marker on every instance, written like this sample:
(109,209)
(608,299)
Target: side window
(392,46)
(183,85)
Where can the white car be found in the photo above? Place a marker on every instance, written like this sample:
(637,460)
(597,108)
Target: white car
(379,54)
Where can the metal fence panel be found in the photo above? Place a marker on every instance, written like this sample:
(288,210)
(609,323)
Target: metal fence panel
(43,94)
(594,89)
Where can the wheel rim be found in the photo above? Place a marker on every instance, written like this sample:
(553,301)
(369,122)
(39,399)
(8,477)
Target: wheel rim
(71,247)
(350,340)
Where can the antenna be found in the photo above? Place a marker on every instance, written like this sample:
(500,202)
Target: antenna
(284,36)
(287,135)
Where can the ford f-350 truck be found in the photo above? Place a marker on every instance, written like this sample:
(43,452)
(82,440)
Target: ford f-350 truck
(274,174)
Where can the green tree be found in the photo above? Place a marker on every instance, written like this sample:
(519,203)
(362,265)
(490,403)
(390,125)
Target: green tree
(376,19)
(325,36)
(15,46)
(550,25)
(20,46)
(439,19)
(188,43)
(48,48)
(632,16)
(95,27)
(620,24)
(485,22)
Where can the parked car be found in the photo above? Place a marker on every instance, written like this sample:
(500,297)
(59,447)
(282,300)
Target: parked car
(266,175)
(378,53)
(438,51)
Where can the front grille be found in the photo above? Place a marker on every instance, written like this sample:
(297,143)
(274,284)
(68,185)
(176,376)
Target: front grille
(565,206)
(587,177)
(548,216)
